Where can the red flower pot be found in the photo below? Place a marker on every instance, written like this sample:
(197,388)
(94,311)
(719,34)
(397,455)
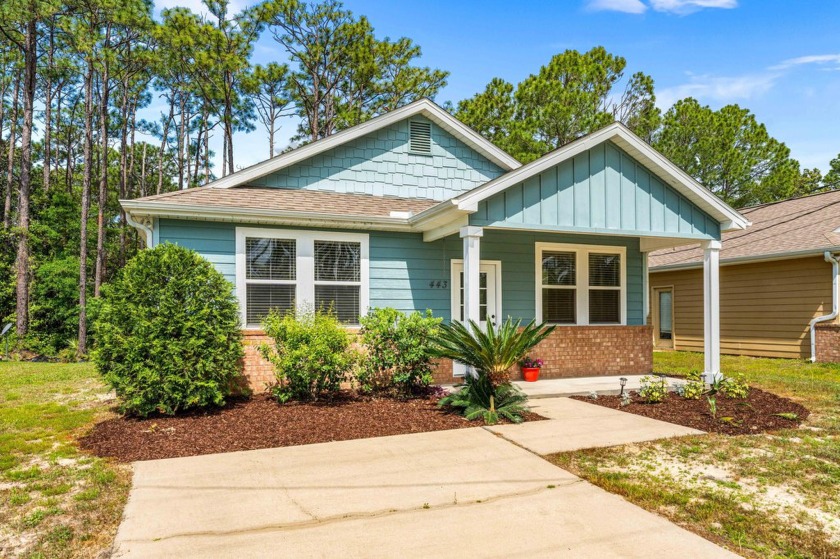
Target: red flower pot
(531,374)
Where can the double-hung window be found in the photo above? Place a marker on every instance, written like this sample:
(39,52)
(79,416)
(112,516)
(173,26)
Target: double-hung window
(298,270)
(580,284)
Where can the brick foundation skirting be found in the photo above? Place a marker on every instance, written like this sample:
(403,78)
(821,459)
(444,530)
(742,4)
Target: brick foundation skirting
(828,342)
(570,351)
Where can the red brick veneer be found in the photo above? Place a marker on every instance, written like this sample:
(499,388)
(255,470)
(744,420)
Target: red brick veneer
(828,342)
(570,351)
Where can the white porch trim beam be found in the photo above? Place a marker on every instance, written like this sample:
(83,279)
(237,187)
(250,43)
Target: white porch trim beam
(472,264)
(711,309)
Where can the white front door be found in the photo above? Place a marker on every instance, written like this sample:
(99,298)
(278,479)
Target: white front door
(488,297)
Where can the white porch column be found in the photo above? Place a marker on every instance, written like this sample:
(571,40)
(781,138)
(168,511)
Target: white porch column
(472,262)
(711,308)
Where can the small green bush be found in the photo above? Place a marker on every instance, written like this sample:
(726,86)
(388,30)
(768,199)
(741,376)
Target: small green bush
(168,333)
(54,308)
(735,386)
(653,389)
(478,399)
(694,386)
(399,351)
(311,354)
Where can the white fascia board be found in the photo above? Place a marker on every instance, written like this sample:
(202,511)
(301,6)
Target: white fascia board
(747,259)
(421,107)
(691,189)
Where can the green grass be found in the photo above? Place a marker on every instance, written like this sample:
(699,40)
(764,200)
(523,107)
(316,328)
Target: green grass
(774,495)
(55,501)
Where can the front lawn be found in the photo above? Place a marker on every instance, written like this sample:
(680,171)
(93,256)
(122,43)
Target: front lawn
(54,500)
(767,495)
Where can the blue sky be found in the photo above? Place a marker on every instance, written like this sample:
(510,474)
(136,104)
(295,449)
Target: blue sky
(779,58)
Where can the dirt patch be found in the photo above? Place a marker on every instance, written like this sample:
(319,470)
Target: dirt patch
(755,414)
(263,423)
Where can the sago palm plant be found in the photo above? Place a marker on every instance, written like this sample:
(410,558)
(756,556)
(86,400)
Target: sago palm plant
(489,353)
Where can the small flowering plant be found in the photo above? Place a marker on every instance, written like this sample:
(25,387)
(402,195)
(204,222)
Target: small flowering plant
(530,363)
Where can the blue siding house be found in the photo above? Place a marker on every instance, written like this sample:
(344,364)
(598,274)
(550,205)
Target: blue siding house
(414,210)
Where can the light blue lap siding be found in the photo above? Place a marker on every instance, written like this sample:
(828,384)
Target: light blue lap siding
(408,274)
(381,164)
(602,190)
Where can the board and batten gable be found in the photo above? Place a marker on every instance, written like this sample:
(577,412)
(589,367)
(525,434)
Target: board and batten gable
(409,274)
(602,190)
(382,164)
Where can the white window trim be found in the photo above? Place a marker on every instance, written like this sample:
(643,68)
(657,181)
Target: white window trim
(305,265)
(456,266)
(581,279)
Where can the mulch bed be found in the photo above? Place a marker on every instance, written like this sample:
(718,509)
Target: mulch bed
(755,414)
(261,422)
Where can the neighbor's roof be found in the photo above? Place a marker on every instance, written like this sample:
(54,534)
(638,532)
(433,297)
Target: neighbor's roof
(799,226)
(316,202)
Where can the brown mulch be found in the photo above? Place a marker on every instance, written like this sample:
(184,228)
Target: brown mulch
(261,422)
(755,414)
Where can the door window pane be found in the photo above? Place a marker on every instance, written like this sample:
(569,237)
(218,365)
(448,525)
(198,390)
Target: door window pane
(665,315)
(482,296)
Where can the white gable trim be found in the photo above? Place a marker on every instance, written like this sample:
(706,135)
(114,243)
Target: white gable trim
(421,107)
(637,148)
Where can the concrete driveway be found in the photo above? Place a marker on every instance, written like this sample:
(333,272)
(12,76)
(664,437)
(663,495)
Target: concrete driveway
(453,493)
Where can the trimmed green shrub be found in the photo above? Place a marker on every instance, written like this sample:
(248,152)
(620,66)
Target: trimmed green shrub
(399,351)
(311,354)
(168,333)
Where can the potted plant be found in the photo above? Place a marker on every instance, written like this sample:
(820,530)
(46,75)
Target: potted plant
(531,368)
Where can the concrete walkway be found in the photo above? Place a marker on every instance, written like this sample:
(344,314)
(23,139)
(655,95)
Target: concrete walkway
(552,388)
(574,425)
(442,494)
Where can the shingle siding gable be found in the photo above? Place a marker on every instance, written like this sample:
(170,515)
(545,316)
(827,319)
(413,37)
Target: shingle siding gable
(382,165)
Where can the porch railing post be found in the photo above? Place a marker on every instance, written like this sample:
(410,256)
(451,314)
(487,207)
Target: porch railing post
(711,308)
(472,262)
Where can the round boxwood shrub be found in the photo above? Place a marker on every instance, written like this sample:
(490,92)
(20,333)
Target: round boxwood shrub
(168,333)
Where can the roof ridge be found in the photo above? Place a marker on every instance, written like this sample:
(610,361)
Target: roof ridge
(793,199)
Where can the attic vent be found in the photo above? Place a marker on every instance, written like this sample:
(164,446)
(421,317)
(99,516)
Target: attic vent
(420,137)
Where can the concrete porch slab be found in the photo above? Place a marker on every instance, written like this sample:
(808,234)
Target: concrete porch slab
(422,495)
(552,388)
(574,425)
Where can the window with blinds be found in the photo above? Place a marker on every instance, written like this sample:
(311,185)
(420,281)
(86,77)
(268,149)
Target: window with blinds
(559,287)
(604,288)
(270,277)
(579,284)
(338,278)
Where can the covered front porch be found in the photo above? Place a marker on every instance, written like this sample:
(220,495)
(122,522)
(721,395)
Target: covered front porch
(564,240)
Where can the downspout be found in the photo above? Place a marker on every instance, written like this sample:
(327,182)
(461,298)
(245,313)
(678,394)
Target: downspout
(143,228)
(835,282)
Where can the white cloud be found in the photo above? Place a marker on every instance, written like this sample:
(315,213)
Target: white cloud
(832,59)
(625,6)
(681,7)
(689,6)
(723,89)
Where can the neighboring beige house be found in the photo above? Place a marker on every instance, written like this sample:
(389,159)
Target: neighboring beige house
(778,284)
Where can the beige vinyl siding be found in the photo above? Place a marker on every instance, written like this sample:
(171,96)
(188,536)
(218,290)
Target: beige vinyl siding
(764,307)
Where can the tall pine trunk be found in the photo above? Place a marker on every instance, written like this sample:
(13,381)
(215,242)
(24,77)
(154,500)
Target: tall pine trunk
(99,274)
(87,180)
(22,267)
(48,110)
(10,170)
(163,142)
